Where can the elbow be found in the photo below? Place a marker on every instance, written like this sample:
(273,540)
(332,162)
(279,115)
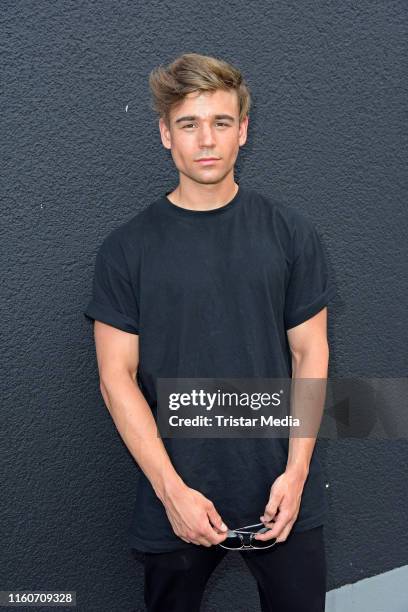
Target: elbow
(112,383)
(104,392)
(318,352)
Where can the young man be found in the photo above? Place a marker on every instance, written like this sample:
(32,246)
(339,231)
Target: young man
(213,279)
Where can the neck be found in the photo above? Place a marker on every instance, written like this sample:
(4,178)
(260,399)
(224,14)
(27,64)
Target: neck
(200,196)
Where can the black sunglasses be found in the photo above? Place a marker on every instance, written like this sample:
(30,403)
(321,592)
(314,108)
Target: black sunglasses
(239,539)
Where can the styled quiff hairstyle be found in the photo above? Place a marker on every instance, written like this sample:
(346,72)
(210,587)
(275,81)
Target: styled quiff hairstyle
(194,72)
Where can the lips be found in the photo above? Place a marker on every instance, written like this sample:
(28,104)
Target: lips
(207,161)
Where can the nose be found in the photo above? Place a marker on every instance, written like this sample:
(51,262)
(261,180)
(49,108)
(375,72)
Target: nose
(206,136)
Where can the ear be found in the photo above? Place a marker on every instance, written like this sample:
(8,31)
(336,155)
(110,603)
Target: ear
(165,133)
(243,131)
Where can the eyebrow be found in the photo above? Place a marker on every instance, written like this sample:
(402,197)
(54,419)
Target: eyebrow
(194,117)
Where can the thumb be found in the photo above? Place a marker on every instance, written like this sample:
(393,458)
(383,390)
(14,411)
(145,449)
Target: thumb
(216,520)
(270,510)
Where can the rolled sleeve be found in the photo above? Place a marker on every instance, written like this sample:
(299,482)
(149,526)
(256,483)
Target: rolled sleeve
(113,300)
(309,288)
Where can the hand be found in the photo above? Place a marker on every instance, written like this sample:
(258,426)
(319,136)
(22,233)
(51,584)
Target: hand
(194,518)
(285,496)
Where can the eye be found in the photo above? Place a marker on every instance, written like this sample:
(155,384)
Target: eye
(189,125)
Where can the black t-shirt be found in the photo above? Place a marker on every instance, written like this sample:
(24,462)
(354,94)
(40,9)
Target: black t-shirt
(211,294)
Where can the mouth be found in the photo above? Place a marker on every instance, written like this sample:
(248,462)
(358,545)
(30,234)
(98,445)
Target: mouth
(207,160)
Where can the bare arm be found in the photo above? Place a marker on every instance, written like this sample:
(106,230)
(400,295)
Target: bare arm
(118,359)
(188,510)
(310,357)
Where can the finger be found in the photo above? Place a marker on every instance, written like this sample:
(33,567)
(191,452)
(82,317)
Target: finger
(209,536)
(215,537)
(284,535)
(277,528)
(271,509)
(268,522)
(205,542)
(216,520)
(221,537)
(265,536)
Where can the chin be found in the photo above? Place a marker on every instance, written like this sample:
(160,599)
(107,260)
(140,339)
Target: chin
(208,180)
(208,175)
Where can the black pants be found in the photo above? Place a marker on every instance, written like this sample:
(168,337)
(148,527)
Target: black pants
(291,576)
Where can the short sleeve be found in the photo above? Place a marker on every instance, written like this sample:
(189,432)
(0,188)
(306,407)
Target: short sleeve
(309,287)
(113,298)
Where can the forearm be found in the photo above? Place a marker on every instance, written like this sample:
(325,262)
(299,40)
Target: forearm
(307,405)
(137,427)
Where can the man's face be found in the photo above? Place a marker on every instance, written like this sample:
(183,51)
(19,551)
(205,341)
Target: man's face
(205,125)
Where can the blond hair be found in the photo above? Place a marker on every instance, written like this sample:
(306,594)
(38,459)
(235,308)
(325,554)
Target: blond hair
(194,72)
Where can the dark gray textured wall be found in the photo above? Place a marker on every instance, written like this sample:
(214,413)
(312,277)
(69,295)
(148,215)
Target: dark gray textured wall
(327,135)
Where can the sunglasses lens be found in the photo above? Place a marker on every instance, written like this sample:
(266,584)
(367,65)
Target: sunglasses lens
(232,542)
(263,543)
